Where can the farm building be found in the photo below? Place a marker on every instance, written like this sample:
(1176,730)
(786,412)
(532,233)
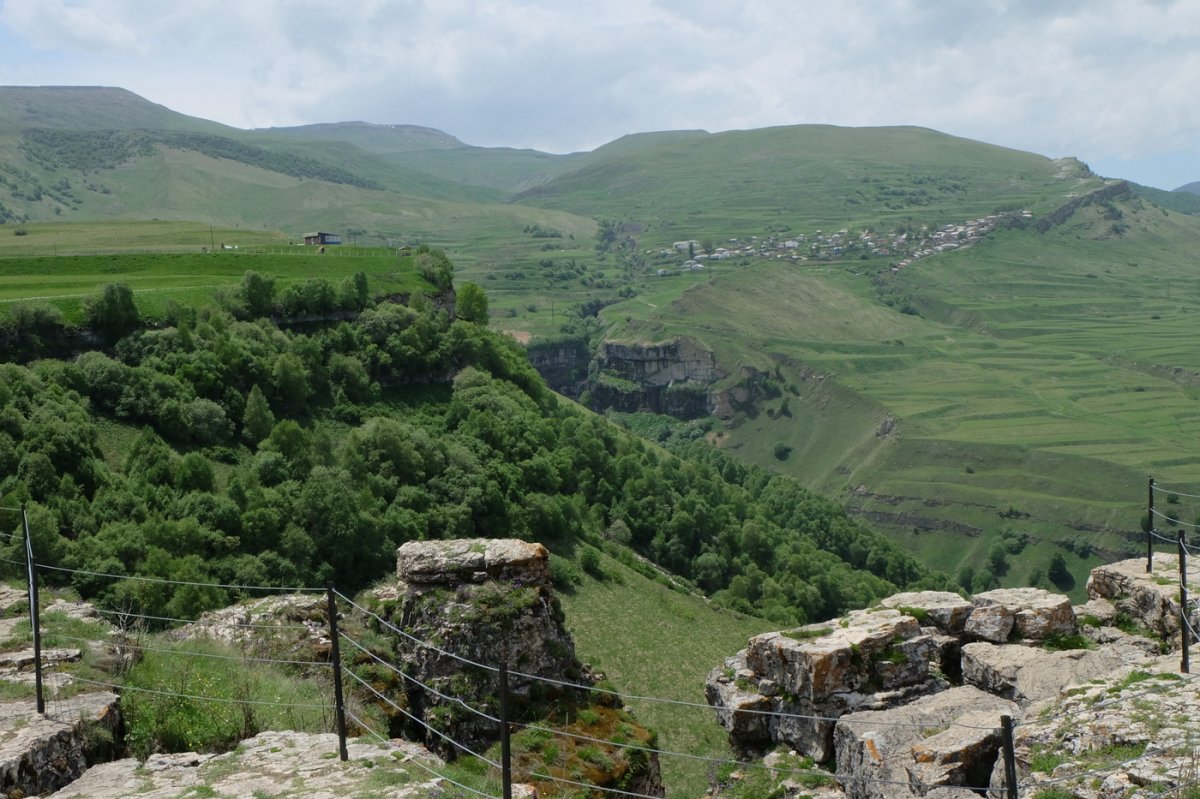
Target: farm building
(322,238)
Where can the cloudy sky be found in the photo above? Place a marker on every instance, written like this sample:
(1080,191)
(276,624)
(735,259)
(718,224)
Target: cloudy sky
(1113,82)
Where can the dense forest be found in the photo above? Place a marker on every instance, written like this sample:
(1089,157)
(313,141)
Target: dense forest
(230,446)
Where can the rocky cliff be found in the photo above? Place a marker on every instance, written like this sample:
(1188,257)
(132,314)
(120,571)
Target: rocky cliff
(907,697)
(671,377)
(462,607)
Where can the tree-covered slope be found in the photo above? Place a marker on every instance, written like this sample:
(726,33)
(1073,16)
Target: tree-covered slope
(223,449)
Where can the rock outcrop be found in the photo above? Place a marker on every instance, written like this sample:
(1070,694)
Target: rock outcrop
(873,690)
(947,739)
(270,764)
(41,753)
(1132,737)
(671,377)
(786,686)
(1150,600)
(479,603)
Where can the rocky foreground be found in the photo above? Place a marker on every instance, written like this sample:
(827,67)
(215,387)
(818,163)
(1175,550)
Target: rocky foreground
(902,699)
(281,765)
(907,697)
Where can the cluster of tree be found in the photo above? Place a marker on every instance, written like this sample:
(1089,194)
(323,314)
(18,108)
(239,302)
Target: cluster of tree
(258,456)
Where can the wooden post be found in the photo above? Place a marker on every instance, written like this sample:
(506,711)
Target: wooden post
(505,750)
(1150,528)
(1184,638)
(35,616)
(1010,757)
(339,705)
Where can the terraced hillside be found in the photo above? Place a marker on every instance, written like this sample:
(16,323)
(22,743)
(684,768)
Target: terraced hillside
(1027,384)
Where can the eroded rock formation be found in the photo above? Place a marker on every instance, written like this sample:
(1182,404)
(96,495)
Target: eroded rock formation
(873,690)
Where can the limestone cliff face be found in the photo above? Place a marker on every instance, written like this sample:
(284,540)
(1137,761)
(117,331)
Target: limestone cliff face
(562,363)
(462,608)
(671,377)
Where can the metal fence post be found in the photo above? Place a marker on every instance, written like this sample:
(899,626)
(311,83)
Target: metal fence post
(335,654)
(35,616)
(1184,638)
(505,749)
(1010,757)
(1150,527)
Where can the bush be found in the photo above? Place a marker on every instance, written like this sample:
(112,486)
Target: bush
(563,573)
(782,451)
(589,559)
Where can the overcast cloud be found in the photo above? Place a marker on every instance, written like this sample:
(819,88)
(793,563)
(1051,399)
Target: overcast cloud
(1110,81)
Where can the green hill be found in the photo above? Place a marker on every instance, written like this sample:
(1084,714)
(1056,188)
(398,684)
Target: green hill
(809,176)
(1022,385)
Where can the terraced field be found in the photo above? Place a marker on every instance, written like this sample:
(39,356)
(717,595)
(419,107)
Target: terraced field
(1045,377)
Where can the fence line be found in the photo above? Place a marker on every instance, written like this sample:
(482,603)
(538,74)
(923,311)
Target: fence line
(1186,628)
(164,581)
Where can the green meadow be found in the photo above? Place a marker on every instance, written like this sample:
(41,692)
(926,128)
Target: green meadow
(1037,380)
(643,637)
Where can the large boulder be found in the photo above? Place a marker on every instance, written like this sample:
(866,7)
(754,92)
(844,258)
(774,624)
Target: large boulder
(944,610)
(789,687)
(1036,614)
(472,560)
(1147,599)
(1025,674)
(946,739)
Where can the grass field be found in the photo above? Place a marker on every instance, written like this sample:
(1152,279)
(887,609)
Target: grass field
(1045,377)
(646,640)
(161,263)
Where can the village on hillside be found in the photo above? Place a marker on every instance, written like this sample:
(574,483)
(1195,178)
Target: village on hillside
(907,245)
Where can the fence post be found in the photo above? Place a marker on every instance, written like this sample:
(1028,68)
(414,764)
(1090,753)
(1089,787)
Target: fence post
(35,616)
(335,654)
(505,752)
(1184,638)
(1150,527)
(1010,757)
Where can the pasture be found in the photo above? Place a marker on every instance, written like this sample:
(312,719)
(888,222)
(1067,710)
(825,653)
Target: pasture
(163,263)
(1045,377)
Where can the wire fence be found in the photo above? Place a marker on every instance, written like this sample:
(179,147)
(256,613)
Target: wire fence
(58,677)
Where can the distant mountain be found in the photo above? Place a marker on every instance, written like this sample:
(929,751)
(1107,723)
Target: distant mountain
(1185,199)
(93,108)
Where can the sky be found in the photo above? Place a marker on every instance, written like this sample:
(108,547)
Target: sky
(1111,82)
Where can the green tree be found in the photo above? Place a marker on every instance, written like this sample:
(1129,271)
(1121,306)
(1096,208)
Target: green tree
(112,312)
(471,304)
(194,473)
(998,558)
(257,420)
(290,381)
(1058,572)
(258,292)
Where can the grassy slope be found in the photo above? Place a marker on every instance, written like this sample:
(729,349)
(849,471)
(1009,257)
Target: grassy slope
(163,262)
(643,637)
(1050,374)
(690,184)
